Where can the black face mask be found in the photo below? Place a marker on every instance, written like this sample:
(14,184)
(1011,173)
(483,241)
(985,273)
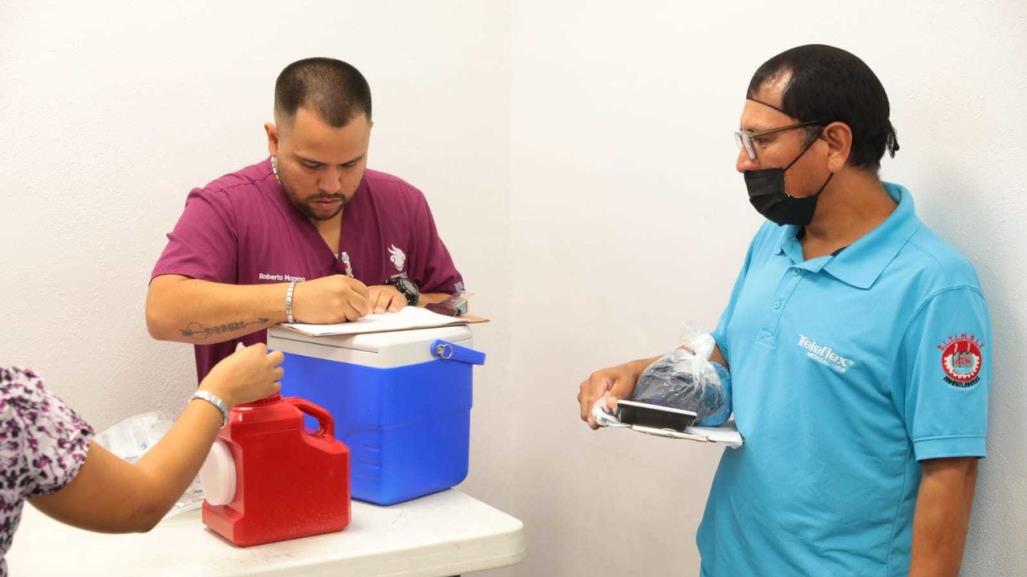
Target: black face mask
(767,194)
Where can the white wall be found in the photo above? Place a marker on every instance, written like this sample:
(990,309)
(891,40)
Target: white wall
(579,161)
(628,218)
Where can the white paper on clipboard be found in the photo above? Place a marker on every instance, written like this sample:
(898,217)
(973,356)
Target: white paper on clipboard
(406,318)
(727,435)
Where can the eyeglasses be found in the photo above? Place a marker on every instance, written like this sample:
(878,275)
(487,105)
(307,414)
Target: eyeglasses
(748,140)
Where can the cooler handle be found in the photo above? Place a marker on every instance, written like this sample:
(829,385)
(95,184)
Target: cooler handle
(324,418)
(448,351)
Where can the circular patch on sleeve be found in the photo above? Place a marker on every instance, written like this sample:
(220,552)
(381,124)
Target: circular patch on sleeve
(961,359)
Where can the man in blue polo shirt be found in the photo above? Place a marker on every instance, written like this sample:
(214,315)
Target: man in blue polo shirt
(858,344)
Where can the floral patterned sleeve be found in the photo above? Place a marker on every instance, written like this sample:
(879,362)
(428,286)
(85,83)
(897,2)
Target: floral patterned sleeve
(43,445)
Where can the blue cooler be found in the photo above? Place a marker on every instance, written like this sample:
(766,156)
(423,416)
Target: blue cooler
(401,402)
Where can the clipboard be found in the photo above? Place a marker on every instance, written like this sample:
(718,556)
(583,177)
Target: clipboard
(727,435)
(408,318)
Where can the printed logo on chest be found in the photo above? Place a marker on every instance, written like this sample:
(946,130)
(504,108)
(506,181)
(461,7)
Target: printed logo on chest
(825,355)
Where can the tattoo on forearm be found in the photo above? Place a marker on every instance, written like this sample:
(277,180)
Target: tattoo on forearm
(196,329)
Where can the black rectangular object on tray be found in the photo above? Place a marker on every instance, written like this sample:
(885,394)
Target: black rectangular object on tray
(655,416)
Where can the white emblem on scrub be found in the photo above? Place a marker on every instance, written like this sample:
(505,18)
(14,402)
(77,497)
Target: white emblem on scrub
(397,257)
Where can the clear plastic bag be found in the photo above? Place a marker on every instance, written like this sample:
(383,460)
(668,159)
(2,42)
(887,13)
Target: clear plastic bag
(686,379)
(131,438)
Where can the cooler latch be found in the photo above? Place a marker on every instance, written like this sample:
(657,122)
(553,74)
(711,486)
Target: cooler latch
(448,351)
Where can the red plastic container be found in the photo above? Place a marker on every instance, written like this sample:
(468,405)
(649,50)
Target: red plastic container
(290,482)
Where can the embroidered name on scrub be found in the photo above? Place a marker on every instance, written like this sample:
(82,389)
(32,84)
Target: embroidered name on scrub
(279,277)
(825,355)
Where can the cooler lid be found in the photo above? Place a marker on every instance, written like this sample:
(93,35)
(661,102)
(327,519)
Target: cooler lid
(392,349)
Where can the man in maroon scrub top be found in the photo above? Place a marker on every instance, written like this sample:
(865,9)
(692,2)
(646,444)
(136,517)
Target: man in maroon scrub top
(308,235)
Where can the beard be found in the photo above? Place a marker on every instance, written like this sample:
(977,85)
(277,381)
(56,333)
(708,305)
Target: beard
(309,209)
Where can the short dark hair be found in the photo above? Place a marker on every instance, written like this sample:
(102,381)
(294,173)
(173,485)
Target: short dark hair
(828,85)
(333,89)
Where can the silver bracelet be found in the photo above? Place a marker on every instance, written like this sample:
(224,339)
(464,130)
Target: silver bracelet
(214,400)
(288,301)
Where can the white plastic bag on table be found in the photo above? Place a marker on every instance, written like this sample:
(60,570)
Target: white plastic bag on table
(131,438)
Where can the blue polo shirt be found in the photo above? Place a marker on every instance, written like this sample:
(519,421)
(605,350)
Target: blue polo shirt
(847,370)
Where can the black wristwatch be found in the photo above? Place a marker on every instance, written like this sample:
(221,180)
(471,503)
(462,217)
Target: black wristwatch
(407,287)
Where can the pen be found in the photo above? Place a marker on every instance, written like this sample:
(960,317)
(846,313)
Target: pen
(348,269)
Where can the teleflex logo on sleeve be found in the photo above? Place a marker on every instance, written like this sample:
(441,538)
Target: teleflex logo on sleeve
(824,355)
(961,360)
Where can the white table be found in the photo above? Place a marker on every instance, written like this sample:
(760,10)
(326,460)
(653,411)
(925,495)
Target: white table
(443,534)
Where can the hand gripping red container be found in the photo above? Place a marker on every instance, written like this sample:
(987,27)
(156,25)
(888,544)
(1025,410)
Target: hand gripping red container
(268,479)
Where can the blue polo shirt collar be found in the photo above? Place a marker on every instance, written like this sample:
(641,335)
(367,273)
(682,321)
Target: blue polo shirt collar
(862,262)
